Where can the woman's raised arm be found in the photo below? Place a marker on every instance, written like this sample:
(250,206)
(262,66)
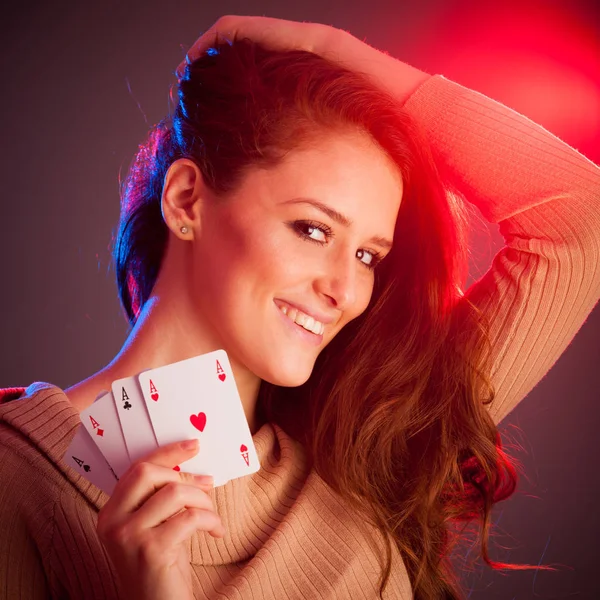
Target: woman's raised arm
(544,195)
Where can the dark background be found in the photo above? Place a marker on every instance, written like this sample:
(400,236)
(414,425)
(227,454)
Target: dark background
(81,84)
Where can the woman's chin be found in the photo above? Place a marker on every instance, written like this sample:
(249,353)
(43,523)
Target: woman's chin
(292,377)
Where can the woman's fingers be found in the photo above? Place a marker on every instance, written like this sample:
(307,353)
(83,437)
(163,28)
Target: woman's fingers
(166,503)
(146,476)
(277,34)
(171,455)
(181,528)
(395,77)
(151,513)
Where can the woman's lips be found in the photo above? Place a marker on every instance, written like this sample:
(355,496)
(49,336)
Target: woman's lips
(316,315)
(312,338)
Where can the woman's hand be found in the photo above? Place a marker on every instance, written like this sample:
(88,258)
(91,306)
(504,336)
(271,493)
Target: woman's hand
(144,525)
(276,34)
(396,77)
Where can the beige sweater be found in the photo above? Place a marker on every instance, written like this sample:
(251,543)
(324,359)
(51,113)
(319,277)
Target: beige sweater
(288,535)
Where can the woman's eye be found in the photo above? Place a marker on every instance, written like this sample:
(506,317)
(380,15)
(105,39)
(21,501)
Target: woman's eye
(309,230)
(372,258)
(321,234)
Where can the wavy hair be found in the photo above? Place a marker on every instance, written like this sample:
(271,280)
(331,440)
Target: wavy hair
(393,415)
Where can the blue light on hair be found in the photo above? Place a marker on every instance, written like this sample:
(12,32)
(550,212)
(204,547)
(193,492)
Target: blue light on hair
(212,51)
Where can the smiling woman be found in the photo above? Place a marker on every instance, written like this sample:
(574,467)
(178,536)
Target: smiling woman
(310,221)
(304,187)
(253,246)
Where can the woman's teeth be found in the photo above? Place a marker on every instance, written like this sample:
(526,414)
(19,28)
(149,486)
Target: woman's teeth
(303,320)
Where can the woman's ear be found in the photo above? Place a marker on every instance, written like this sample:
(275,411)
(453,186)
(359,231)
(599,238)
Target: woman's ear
(183,193)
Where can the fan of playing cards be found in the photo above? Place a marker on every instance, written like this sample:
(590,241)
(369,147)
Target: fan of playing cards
(194,398)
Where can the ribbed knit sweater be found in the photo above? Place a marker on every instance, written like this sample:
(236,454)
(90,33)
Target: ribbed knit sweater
(289,536)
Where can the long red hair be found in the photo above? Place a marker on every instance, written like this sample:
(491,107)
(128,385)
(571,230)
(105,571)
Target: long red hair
(394,415)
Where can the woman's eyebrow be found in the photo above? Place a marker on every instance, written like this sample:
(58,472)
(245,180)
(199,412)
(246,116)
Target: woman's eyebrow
(338,217)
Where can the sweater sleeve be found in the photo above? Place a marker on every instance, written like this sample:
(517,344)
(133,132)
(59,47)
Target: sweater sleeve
(49,547)
(545,197)
(22,576)
(22,573)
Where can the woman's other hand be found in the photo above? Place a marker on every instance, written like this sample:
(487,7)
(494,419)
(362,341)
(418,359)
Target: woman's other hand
(398,78)
(276,34)
(152,512)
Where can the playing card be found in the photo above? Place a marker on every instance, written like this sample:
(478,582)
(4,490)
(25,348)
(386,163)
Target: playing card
(85,457)
(198,398)
(133,416)
(102,423)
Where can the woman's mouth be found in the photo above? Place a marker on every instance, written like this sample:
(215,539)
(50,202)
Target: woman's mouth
(302,324)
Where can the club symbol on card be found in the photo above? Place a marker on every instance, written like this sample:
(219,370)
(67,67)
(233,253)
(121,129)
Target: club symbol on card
(198,421)
(125,399)
(244,452)
(153,391)
(220,372)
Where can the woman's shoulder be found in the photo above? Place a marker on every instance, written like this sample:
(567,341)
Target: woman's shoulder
(37,426)
(37,419)
(37,397)
(13,393)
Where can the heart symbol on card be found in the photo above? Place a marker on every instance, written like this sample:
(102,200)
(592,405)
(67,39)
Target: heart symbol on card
(244,452)
(199,421)
(222,376)
(154,397)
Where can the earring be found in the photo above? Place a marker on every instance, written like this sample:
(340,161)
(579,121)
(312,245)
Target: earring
(184,229)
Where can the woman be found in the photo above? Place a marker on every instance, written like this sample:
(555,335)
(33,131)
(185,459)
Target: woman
(327,183)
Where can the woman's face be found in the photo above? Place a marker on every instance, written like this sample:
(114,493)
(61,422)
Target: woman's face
(302,237)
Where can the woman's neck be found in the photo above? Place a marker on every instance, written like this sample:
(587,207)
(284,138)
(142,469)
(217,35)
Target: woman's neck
(163,334)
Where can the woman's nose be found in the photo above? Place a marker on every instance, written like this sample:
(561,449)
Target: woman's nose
(339,283)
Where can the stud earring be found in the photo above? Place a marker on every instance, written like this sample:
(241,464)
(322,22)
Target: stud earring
(184,229)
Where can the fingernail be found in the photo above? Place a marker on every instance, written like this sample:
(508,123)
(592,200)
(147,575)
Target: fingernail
(189,444)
